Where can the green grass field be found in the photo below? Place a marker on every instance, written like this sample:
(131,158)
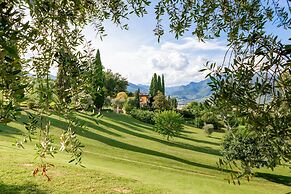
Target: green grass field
(123,155)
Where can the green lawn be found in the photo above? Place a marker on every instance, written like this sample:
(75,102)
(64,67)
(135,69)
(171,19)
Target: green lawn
(123,155)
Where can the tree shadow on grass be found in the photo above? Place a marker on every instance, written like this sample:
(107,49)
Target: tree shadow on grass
(218,138)
(8,131)
(199,141)
(129,120)
(173,144)
(132,126)
(140,135)
(129,147)
(188,132)
(285,180)
(17,189)
(101,129)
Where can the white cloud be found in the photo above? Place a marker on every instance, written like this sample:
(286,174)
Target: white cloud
(195,44)
(179,62)
(138,58)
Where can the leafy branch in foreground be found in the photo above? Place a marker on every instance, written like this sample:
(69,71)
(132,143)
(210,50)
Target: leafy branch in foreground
(256,88)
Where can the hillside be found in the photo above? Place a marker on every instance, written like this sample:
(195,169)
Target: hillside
(123,155)
(197,91)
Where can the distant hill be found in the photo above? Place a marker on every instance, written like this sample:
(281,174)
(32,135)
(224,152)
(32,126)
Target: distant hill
(197,91)
(133,87)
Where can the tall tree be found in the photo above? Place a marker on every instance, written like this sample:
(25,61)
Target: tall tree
(67,75)
(154,85)
(114,83)
(159,84)
(173,102)
(163,84)
(96,82)
(161,102)
(137,98)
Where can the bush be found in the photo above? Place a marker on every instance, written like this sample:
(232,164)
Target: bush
(212,118)
(129,105)
(208,128)
(168,123)
(143,115)
(254,151)
(198,122)
(187,114)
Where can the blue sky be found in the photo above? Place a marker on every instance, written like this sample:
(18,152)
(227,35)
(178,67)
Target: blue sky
(136,53)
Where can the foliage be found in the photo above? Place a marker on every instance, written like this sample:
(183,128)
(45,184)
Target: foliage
(14,38)
(199,113)
(107,101)
(157,84)
(121,95)
(160,102)
(173,103)
(163,85)
(210,117)
(114,83)
(153,86)
(96,82)
(208,128)
(143,115)
(261,99)
(251,150)
(129,104)
(83,101)
(207,20)
(168,123)
(137,99)
(67,72)
(118,103)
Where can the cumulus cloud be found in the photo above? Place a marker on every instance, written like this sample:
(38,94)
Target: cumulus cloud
(194,44)
(169,60)
(180,61)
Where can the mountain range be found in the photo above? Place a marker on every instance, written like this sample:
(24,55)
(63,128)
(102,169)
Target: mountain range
(194,91)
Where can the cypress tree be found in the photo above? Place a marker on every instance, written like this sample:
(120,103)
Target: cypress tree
(97,82)
(137,99)
(154,85)
(151,92)
(159,84)
(163,84)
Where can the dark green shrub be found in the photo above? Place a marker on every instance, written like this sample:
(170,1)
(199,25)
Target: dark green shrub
(143,115)
(208,128)
(129,105)
(212,118)
(187,114)
(198,122)
(252,150)
(168,123)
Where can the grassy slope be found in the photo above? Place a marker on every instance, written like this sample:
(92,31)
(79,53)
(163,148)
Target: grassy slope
(123,155)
